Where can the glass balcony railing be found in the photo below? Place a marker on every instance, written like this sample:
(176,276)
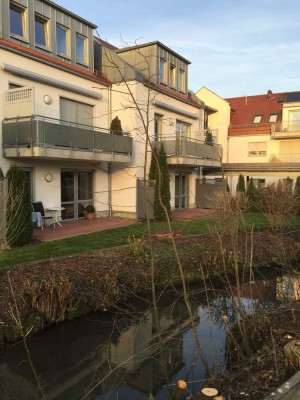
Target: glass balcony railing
(191,150)
(40,136)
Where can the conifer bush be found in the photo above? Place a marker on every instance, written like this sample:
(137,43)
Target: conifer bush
(19,208)
(116,126)
(251,195)
(241,184)
(159,172)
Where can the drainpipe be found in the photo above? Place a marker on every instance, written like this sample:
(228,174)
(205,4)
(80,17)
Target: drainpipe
(109,191)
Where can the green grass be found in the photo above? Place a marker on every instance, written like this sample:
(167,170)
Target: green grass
(112,238)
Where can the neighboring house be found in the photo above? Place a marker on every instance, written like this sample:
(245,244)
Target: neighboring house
(55,107)
(260,135)
(264,138)
(159,109)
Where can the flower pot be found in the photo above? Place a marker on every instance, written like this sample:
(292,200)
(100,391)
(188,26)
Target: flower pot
(89,216)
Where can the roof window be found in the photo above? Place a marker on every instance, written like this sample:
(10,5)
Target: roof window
(257,119)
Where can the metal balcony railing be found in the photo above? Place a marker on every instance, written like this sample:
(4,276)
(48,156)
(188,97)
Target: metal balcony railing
(49,133)
(190,148)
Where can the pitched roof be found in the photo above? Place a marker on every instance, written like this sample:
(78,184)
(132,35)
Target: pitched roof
(244,109)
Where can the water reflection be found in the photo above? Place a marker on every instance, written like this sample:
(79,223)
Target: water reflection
(118,354)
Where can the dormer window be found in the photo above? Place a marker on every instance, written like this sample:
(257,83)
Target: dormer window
(163,71)
(181,80)
(80,49)
(61,40)
(257,119)
(172,76)
(16,20)
(40,31)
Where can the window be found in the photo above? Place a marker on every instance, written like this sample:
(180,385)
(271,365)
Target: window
(162,71)
(16,20)
(257,119)
(182,129)
(259,183)
(257,149)
(157,127)
(172,76)
(80,49)
(40,31)
(273,117)
(61,39)
(294,121)
(14,86)
(181,80)
(74,111)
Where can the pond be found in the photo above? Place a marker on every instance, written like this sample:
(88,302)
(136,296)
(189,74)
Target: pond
(117,355)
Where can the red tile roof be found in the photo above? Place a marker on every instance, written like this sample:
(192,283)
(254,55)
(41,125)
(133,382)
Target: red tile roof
(244,109)
(45,58)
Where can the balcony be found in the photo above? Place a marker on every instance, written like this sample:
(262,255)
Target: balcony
(286,130)
(48,138)
(285,158)
(191,152)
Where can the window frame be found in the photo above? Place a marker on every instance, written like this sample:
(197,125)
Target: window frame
(67,40)
(84,41)
(22,12)
(44,21)
(257,152)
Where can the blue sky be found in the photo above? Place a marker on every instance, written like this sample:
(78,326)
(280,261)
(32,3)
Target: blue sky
(237,47)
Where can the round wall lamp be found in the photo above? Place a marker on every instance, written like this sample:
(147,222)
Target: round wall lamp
(48,177)
(47,99)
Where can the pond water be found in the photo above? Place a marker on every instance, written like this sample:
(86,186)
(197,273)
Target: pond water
(117,356)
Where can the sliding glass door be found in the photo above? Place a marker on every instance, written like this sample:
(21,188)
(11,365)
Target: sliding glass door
(76,192)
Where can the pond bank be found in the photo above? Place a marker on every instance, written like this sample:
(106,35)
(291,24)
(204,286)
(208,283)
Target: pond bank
(49,292)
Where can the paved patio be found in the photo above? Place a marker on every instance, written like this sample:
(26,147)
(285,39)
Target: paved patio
(75,228)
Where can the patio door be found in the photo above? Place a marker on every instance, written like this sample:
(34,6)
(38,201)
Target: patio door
(181,191)
(76,193)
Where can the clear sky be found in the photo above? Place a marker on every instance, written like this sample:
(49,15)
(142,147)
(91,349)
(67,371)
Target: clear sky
(237,47)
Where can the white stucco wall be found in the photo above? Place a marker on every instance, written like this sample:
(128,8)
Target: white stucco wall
(219,120)
(50,192)
(124,181)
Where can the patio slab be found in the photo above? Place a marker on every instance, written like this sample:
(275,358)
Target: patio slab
(82,226)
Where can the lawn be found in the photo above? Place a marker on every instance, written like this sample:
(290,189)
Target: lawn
(112,238)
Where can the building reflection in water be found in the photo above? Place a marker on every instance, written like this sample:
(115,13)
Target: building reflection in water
(73,357)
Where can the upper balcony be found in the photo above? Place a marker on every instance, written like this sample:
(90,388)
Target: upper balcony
(48,138)
(191,152)
(286,130)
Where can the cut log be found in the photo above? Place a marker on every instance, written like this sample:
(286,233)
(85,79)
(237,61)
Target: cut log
(208,393)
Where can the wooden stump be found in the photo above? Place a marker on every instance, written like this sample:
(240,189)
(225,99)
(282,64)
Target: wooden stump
(292,357)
